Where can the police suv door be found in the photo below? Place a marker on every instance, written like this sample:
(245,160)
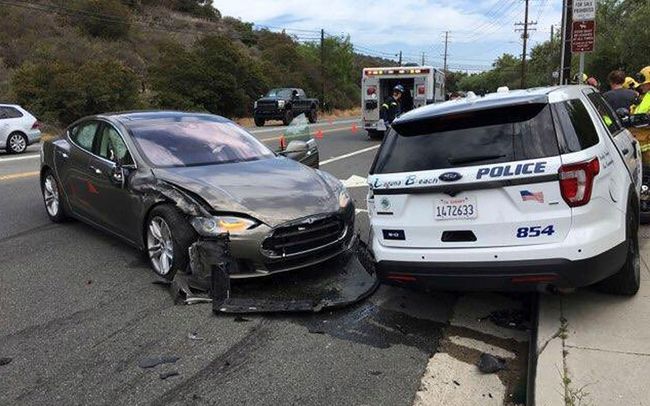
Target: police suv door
(623,139)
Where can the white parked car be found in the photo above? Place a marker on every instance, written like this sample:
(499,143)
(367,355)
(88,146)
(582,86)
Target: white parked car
(18,128)
(515,190)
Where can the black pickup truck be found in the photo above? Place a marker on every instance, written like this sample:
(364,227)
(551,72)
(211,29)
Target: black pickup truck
(285,104)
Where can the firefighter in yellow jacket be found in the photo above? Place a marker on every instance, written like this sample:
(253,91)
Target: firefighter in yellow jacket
(643,78)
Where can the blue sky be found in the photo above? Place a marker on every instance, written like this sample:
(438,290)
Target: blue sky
(480,30)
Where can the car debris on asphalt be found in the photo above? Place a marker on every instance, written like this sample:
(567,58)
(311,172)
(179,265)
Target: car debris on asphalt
(489,364)
(165,375)
(151,362)
(5,360)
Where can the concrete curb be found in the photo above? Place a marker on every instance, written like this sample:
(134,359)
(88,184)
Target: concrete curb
(551,367)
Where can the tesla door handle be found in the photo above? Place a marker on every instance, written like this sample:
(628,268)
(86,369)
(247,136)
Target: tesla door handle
(96,170)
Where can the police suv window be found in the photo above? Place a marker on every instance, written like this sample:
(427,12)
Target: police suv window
(607,115)
(576,130)
(504,134)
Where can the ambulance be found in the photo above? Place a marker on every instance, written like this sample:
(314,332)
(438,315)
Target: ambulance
(422,84)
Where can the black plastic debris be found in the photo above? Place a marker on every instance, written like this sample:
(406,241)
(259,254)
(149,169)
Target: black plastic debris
(489,364)
(515,319)
(338,282)
(151,362)
(5,360)
(194,336)
(240,319)
(165,375)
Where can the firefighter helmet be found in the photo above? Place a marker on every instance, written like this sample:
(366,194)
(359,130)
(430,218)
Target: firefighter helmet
(643,77)
(630,83)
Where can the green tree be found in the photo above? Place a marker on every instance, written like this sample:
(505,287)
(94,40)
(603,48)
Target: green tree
(61,92)
(214,75)
(109,19)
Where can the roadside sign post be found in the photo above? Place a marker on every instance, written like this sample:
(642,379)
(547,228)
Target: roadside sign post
(583,30)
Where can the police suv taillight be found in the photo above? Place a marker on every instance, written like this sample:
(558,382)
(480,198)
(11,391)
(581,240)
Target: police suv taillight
(371,90)
(577,180)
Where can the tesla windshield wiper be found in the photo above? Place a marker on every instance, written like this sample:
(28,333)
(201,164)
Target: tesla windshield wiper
(459,160)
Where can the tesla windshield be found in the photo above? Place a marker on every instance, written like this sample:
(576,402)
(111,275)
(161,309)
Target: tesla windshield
(172,142)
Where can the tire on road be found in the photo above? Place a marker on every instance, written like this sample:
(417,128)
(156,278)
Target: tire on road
(53,198)
(627,281)
(288,117)
(375,135)
(259,122)
(16,143)
(182,236)
(313,115)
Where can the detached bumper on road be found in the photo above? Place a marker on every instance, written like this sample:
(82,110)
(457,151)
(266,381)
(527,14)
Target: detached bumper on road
(504,275)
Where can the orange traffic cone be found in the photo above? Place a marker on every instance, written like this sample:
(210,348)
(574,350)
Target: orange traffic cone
(319,134)
(354,129)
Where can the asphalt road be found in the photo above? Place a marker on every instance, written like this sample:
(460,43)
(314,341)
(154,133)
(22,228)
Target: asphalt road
(78,311)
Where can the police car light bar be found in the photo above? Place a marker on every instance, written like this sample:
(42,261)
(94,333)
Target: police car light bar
(379,72)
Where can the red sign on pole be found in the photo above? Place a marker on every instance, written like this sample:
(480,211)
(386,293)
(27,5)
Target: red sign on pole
(583,36)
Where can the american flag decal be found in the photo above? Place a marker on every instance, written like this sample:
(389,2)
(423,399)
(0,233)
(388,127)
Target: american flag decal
(527,196)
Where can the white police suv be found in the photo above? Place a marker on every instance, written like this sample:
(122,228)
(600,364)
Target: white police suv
(515,190)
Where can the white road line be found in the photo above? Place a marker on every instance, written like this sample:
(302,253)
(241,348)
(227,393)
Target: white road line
(338,158)
(20,158)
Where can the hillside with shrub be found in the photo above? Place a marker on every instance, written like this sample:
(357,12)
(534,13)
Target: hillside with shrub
(67,59)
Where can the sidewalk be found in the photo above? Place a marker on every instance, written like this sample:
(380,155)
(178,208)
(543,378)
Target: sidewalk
(594,349)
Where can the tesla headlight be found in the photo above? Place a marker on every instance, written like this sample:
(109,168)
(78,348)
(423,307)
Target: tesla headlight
(344,198)
(213,226)
(281,104)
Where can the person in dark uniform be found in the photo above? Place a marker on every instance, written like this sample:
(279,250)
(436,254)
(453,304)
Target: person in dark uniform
(619,97)
(391,107)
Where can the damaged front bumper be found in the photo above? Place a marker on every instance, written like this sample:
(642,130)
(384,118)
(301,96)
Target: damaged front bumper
(337,282)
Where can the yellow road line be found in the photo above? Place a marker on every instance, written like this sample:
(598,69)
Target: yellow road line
(19,175)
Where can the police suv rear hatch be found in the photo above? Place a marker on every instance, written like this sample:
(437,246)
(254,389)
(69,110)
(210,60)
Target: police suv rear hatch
(482,176)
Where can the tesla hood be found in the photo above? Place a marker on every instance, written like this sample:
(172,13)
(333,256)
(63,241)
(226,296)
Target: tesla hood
(273,190)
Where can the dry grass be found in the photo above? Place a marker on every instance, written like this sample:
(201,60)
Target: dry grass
(335,114)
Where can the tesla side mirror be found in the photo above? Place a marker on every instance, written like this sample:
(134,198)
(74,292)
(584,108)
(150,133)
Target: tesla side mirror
(297,146)
(117,175)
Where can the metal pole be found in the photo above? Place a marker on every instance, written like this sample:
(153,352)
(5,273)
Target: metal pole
(581,69)
(422,59)
(552,33)
(446,43)
(565,62)
(400,59)
(523,54)
(322,68)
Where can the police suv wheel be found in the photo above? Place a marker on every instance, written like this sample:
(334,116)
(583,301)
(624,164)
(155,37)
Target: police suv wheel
(627,281)
(259,122)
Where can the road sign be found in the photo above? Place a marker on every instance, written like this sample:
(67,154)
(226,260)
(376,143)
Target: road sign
(584,10)
(583,36)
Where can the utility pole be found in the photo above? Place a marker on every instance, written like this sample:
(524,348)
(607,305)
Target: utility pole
(322,68)
(400,59)
(444,69)
(525,30)
(565,61)
(552,32)
(422,59)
